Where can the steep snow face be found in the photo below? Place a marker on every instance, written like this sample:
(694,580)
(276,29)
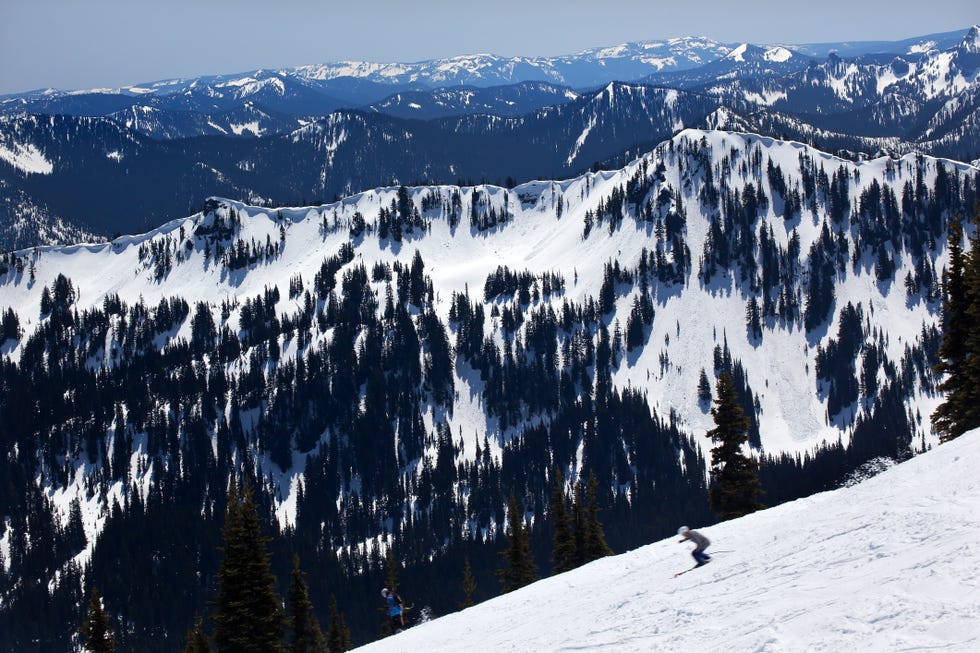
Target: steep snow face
(890,564)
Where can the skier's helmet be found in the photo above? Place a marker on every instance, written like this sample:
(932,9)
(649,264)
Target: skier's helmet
(682,530)
(385,592)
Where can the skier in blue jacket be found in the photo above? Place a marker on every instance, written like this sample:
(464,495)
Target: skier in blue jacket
(393,604)
(699,540)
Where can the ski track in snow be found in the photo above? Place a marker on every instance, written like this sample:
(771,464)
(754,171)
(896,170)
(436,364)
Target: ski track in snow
(890,564)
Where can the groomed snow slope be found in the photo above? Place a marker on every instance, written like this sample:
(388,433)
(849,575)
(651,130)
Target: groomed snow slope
(890,564)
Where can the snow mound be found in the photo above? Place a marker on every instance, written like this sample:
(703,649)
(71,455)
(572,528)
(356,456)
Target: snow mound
(890,564)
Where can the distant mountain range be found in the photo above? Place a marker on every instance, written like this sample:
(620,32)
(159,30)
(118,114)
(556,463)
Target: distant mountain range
(282,137)
(318,89)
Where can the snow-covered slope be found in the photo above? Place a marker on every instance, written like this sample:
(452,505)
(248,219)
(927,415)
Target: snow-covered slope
(890,564)
(694,316)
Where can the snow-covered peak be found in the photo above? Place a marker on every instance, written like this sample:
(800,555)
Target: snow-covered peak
(738,54)
(889,564)
(971,42)
(778,54)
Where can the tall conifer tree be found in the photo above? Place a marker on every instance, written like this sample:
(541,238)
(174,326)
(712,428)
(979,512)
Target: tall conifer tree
(578,523)
(735,487)
(338,637)
(96,632)
(971,404)
(947,419)
(469,585)
(306,635)
(519,569)
(594,539)
(197,641)
(563,553)
(248,616)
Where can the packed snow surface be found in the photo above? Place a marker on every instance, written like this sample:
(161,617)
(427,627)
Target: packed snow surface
(890,564)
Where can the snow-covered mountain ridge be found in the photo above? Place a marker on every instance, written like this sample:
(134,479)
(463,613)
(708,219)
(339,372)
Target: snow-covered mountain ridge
(577,241)
(589,67)
(358,83)
(887,565)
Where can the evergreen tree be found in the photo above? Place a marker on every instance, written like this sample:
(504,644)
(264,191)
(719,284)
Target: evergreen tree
(248,615)
(96,632)
(519,569)
(306,636)
(594,540)
(563,553)
(578,523)
(735,487)
(959,285)
(391,567)
(469,585)
(338,637)
(753,318)
(971,404)
(197,642)
(704,387)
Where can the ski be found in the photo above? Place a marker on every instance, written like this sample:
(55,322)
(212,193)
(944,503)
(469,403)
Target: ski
(680,573)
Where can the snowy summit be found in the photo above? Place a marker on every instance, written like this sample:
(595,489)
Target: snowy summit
(889,564)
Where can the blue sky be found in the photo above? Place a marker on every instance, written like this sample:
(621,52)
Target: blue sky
(83,44)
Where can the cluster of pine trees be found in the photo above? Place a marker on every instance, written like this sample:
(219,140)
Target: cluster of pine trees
(959,354)
(248,612)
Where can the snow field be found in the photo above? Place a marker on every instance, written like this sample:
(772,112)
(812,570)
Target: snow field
(890,564)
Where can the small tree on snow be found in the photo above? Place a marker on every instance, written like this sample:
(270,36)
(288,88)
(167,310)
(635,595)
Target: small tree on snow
(735,486)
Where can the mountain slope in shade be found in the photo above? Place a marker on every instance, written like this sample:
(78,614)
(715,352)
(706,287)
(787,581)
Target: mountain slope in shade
(98,173)
(249,120)
(890,564)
